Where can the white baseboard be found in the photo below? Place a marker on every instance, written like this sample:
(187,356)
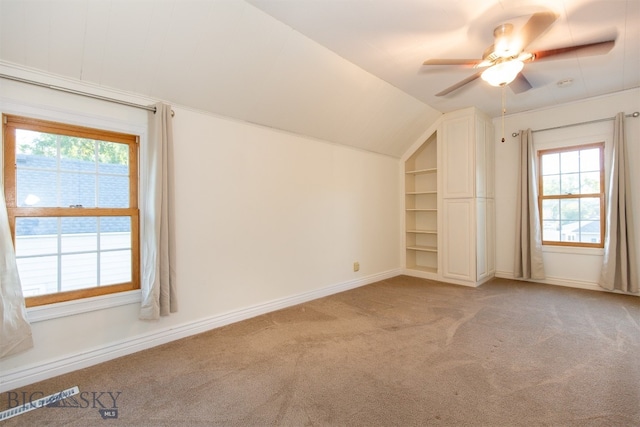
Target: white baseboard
(438,278)
(421,274)
(556,281)
(12,379)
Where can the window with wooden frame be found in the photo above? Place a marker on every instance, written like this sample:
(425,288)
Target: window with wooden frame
(72,202)
(571,195)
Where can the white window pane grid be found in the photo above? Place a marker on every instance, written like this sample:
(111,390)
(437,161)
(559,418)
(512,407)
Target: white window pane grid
(69,253)
(571,220)
(61,171)
(573,172)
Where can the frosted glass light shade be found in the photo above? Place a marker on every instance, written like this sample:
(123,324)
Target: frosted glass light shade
(502,73)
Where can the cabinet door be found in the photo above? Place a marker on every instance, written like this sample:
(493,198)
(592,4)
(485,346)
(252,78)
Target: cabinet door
(490,154)
(458,155)
(485,247)
(481,158)
(482,236)
(459,239)
(485,153)
(491,239)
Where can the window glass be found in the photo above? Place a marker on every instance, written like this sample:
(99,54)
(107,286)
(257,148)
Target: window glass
(71,202)
(572,195)
(63,171)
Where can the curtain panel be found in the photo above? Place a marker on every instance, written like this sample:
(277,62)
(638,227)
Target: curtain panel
(15,330)
(158,278)
(619,268)
(528,257)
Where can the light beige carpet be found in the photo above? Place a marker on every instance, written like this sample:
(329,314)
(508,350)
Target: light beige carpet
(400,352)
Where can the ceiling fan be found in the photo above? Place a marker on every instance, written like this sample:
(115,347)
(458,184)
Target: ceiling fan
(503,61)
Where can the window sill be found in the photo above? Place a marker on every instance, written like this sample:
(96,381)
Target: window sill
(572,250)
(84,305)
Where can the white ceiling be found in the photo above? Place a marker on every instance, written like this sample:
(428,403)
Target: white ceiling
(391,39)
(345,71)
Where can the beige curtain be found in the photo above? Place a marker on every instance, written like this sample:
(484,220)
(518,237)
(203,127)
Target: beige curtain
(15,331)
(619,268)
(157,218)
(528,256)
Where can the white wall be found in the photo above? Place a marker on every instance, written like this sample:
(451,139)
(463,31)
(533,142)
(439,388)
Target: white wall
(577,267)
(265,219)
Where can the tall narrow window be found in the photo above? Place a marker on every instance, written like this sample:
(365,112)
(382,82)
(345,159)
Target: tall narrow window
(572,195)
(72,201)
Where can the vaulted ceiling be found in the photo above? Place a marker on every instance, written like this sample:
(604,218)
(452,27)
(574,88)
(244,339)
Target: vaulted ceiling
(345,71)
(391,39)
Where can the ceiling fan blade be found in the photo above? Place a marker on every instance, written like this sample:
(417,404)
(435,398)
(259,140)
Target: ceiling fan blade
(520,84)
(596,48)
(535,26)
(459,84)
(470,62)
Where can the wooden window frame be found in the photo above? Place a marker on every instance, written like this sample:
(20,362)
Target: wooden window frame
(600,195)
(10,124)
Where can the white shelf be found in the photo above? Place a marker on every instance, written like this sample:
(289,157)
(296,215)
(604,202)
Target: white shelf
(421,203)
(421,171)
(423,248)
(422,268)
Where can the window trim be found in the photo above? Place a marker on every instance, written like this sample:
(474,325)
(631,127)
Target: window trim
(40,313)
(13,122)
(600,195)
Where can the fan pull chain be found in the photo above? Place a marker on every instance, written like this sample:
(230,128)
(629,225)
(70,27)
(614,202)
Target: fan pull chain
(504,108)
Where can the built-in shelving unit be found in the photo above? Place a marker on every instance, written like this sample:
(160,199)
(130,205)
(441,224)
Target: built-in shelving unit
(421,208)
(449,202)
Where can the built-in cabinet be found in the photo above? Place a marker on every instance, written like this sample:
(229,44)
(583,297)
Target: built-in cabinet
(449,206)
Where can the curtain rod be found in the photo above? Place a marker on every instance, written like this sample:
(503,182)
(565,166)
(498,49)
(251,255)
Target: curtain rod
(634,114)
(77,92)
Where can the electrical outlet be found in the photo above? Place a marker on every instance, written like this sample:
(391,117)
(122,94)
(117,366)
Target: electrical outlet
(356,266)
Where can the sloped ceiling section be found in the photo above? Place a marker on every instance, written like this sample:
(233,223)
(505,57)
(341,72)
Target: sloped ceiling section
(225,56)
(392,38)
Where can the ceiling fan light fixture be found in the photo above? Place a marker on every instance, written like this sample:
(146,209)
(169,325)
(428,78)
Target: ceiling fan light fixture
(525,56)
(503,45)
(502,73)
